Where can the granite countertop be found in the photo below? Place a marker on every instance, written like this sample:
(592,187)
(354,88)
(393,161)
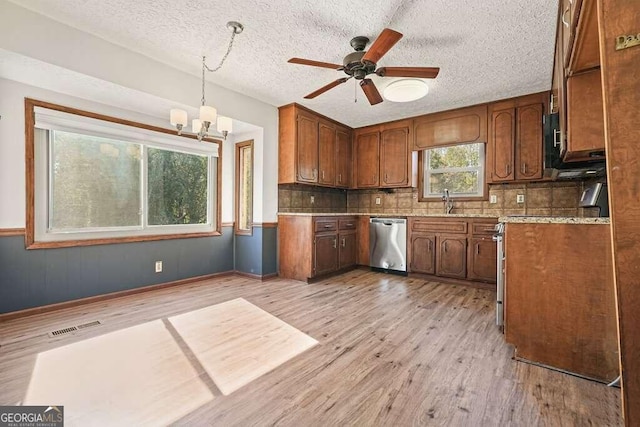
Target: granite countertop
(551,220)
(379,214)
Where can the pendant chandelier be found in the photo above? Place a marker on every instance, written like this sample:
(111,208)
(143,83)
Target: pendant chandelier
(208,115)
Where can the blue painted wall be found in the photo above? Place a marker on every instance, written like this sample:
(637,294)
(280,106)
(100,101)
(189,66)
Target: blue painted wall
(256,254)
(46,276)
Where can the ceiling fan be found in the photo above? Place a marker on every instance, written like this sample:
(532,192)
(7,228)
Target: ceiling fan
(361,63)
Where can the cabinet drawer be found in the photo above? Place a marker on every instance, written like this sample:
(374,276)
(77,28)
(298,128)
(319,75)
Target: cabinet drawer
(347,224)
(483,228)
(321,225)
(440,226)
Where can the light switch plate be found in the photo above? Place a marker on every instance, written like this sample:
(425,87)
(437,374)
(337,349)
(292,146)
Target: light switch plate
(493,199)
(158,266)
(378,200)
(520,198)
(313,200)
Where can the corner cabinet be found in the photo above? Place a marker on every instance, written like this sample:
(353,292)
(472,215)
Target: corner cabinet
(516,139)
(312,149)
(313,246)
(383,157)
(457,248)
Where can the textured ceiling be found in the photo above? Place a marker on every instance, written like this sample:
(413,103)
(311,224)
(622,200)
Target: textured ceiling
(486,50)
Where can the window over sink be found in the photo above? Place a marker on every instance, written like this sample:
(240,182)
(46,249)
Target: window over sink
(456,168)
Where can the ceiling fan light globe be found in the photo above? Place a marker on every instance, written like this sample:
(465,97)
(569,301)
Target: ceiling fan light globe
(406,90)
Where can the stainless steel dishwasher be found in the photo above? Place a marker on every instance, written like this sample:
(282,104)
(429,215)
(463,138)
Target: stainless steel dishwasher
(388,244)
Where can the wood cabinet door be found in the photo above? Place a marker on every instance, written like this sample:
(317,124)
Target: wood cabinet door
(501,138)
(482,259)
(307,148)
(423,256)
(347,249)
(326,154)
(325,256)
(529,142)
(344,158)
(585,117)
(394,157)
(465,125)
(367,160)
(451,257)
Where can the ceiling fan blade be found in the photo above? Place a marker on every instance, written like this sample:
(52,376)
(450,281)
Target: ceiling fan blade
(314,63)
(370,90)
(419,72)
(325,88)
(381,46)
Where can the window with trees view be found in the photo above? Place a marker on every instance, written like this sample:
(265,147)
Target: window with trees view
(99,180)
(457,168)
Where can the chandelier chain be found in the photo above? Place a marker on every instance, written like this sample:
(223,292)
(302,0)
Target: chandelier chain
(224,58)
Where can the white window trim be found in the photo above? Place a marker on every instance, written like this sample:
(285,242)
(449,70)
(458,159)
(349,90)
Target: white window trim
(427,172)
(47,120)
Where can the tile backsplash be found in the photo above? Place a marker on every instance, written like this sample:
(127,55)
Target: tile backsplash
(558,198)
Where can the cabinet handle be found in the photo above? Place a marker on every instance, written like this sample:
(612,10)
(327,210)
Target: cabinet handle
(349,225)
(340,178)
(327,226)
(315,173)
(524,168)
(373,178)
(323,175)
(477,248)
(507,169)
(386,177)
(335,243)
(344,242)
(566,24)
(557,141)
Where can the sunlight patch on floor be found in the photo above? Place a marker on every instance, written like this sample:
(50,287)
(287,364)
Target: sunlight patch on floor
(134,376)
(237,342)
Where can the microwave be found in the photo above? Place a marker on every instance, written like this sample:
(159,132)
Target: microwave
(555,167)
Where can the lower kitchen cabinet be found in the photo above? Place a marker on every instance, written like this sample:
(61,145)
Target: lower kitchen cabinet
(325,254)
(482,259)
(451,259)
(423,256)
(347,249)
(311,246)
(453,247)
(559,299)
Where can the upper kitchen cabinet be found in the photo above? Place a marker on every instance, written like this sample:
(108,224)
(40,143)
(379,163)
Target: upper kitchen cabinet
(367,157)
(577,86)
(515,146)
(585,116)
(326,153)
(465,125)
(344,155)
(382,156)
(312,149)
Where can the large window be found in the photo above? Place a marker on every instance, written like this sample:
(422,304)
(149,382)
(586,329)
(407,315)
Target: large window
(244,187)
(457,168)
(99,181)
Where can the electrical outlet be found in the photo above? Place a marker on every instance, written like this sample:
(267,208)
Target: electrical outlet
(378,200)
(520,198)
(493,199)
(158,266)
(313,200)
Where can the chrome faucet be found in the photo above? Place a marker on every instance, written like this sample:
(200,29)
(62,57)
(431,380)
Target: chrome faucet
(448,203)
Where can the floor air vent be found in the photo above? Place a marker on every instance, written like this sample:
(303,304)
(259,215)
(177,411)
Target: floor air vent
(88,325)
(65,331)
(62,331)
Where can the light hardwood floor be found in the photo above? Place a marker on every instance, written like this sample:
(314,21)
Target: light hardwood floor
(392,351)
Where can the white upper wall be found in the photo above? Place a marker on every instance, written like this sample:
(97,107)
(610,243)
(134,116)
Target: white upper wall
(35,36)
